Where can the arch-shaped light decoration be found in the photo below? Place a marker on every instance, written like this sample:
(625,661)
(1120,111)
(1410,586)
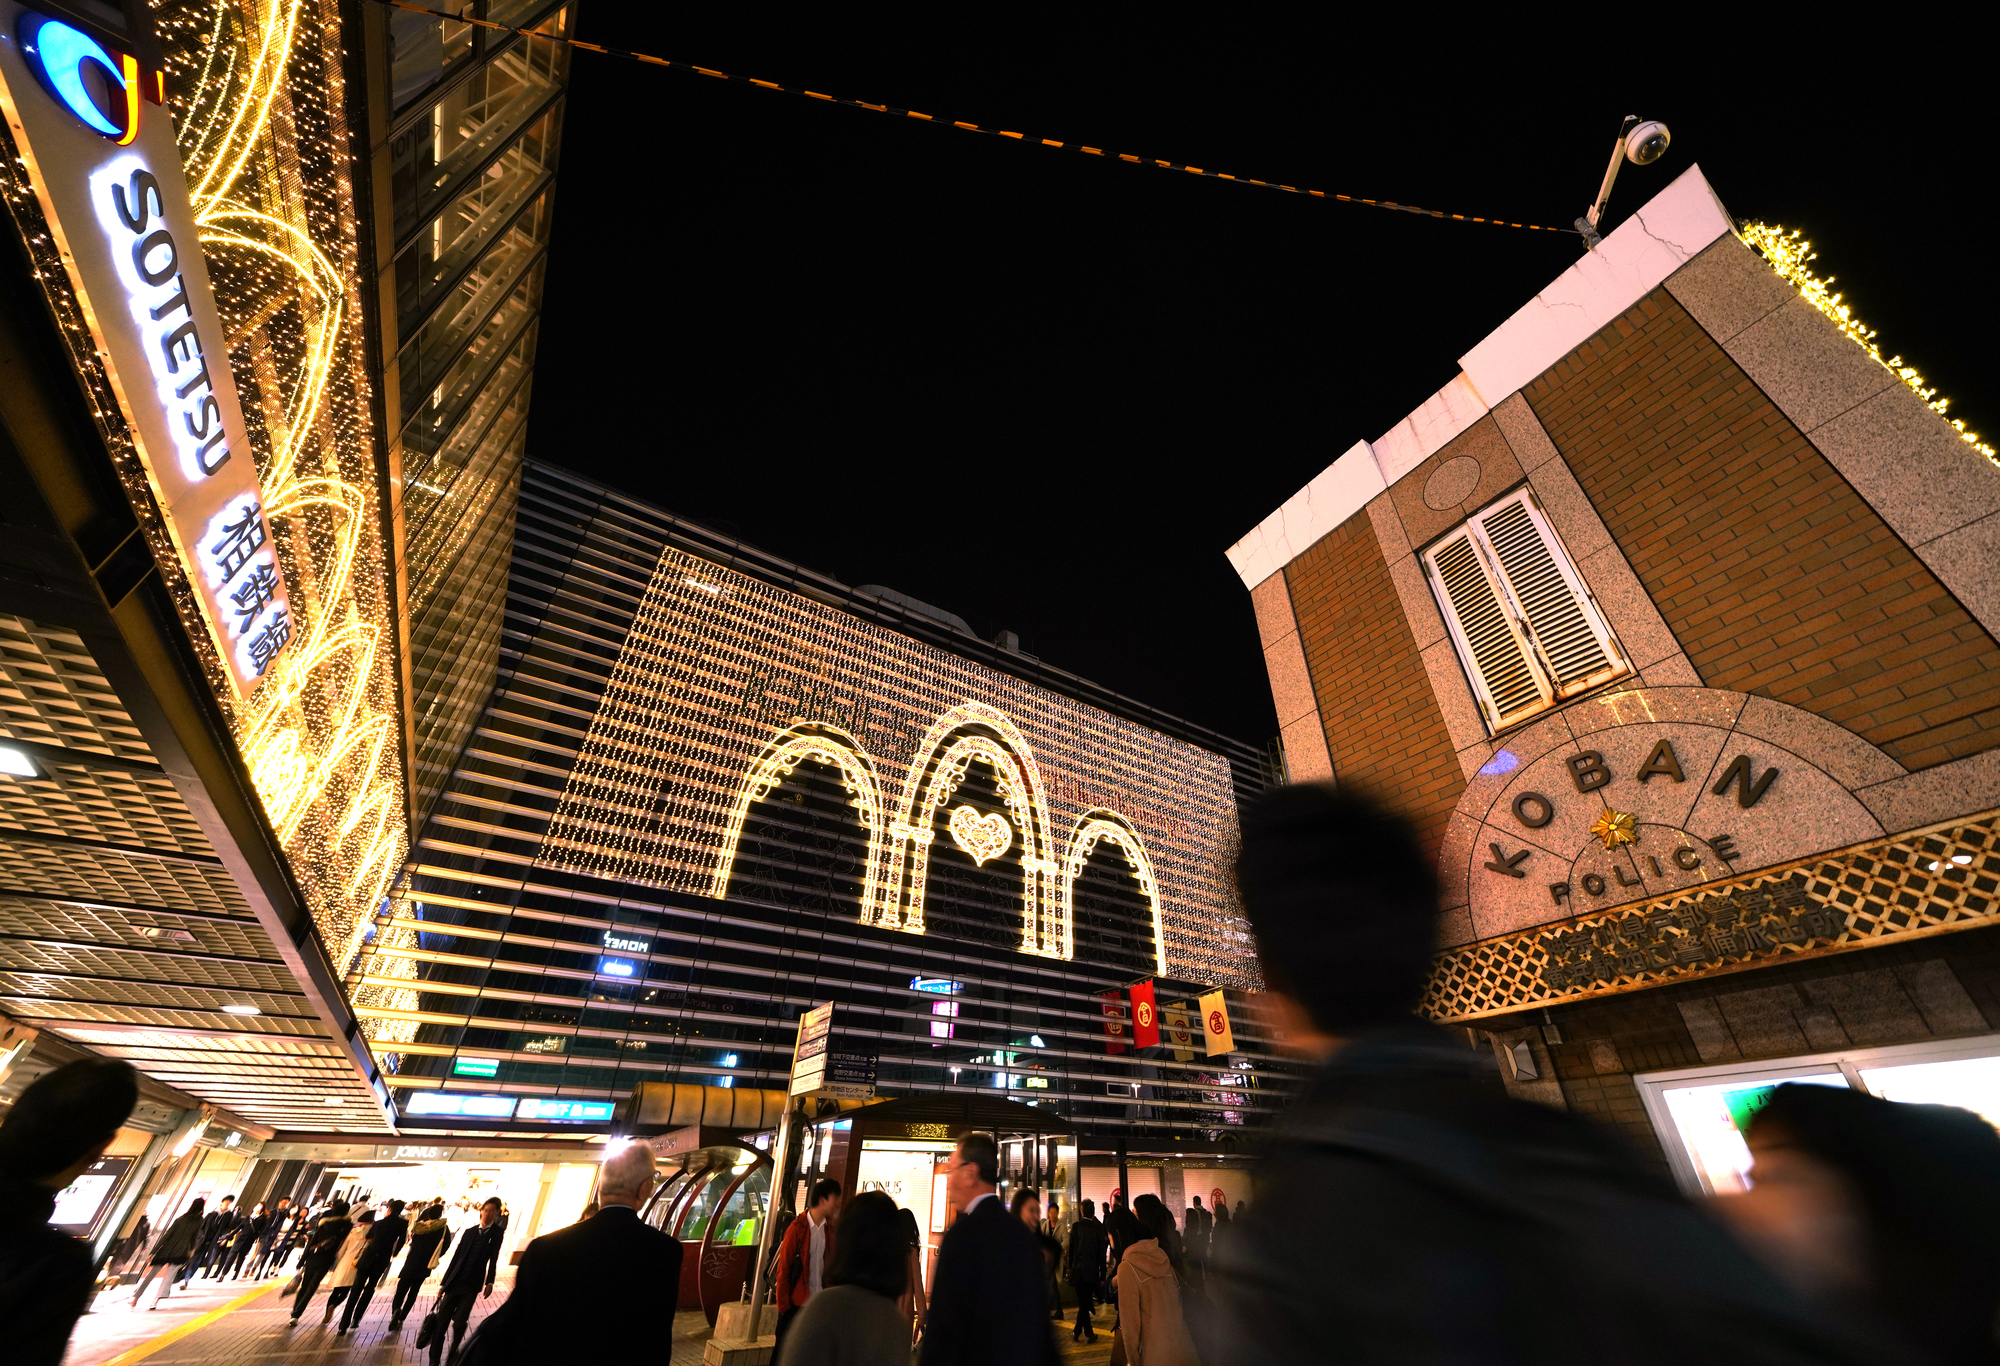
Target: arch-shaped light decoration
(936,769)
(792,746)
(1094,827)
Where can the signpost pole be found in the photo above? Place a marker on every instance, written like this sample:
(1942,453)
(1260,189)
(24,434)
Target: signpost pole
(781,1156)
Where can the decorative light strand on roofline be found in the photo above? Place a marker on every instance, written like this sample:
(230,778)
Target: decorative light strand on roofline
(979,128)
(1790,255)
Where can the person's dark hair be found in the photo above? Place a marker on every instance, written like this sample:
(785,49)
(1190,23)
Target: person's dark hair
(337,1209)
(1928,1178)
(65,1115)
(494,1201)
(1221,1215)
(1022,1196)
(826,1188)
(197,1207)
(1344,903)
(228,1199)
(1089,1208)
(1158,1222)
(432,1212)
(982,1152)
(366,1216)
(873,1251)
(396,1207)
(910,1229)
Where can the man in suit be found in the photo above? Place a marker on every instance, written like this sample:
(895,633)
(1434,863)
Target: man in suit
(987,1303)
(568,1279)
(1087,1247)
(469,1276)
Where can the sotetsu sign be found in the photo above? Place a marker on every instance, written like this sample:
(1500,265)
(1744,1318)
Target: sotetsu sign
(100,151)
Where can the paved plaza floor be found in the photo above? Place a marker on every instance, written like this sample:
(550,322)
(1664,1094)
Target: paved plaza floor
(246,1323)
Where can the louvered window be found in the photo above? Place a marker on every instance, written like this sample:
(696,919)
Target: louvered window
(1525,626)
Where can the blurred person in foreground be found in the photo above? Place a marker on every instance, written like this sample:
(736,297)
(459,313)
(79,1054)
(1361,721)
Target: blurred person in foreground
(1088,1246)
(1880,1209)
(576,1287)
(856,1320)
(912,1301)
(987,1301)
(1408,1209)
(61,1124)
(1149,1295)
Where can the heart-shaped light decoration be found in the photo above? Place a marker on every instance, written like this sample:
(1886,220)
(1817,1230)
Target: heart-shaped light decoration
(984,836)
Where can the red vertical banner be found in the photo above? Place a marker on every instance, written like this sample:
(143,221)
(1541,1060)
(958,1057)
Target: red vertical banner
(1115,1036)
(1145,1016)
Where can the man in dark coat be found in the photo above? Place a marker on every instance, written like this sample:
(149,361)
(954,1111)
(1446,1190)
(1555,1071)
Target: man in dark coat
(60,1125)
(385,1240)
(216,1230)
(1088,1245)
(468,1277)
(609,1258)
(428,1241)
(987,1301)
(1409,1211)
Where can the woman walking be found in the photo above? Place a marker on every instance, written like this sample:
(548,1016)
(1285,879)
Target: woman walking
(323,1248)
(346,1267)
(172,1251)
(1149,1293)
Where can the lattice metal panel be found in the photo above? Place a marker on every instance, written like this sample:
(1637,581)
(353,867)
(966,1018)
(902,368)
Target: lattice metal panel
(1921,884)
(99,804)
(51,690)
(86,874)
(71,920)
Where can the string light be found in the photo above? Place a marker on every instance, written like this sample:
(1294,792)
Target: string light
(725,684)
(1791,256)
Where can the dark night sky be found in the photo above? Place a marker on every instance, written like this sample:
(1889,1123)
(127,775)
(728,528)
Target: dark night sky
(1046,391)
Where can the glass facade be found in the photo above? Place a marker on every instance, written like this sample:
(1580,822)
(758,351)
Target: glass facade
(472,150)
(503,970)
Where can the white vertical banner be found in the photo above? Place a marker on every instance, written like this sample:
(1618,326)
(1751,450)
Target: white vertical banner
(99,149)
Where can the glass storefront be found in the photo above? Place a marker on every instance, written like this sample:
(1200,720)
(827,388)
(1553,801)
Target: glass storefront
(1699,1113)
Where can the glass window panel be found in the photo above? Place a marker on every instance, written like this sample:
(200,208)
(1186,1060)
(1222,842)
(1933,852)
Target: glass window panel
(487,217)
(1968,1083)
(449,360)
(515,12)
(1703,1115)
(432,161)
(423,48)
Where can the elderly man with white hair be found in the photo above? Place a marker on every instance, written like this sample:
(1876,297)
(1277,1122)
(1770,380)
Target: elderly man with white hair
(578,1289)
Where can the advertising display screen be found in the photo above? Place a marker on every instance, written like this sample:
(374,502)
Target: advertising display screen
(728,686)
(81,1203)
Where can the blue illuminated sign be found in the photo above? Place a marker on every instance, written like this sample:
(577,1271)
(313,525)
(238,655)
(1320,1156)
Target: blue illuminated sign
(941,986)
(567,1111)
(58,54)
(453,1103)
(616,967)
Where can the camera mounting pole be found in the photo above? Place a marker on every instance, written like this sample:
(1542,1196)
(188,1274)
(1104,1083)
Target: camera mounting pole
(1587,225)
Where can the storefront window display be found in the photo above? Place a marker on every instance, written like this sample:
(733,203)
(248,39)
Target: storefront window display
(1700,1113)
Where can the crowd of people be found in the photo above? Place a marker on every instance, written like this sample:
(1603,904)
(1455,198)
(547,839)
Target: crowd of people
(1408,1210)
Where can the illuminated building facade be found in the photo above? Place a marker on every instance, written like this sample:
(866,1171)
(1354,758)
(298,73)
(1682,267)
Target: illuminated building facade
(1673,621)
(714,789)
(272,272)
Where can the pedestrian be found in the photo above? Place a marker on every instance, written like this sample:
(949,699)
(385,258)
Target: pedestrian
(215,1226)
(172,1251)
(987,1301)
(385,1239)
(428,1242)
(1027,1207)
(249,1231)
(273,1232)
(346,1266)
(1409,1210)
(803,1255)
(912,1301)
(468,1279)
(1088,1247)
(57,1127)
(132,1247)
(856,1320)
(323,1247)
(1223,1231)
(611,1258)
(1150,1324)
(1879,1208)
(1054,1231)
(1122,1228)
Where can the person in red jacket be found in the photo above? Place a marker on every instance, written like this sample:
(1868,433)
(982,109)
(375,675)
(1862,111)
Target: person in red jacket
(804,1256)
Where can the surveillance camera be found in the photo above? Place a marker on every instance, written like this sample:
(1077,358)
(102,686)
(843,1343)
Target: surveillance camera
(1646,143)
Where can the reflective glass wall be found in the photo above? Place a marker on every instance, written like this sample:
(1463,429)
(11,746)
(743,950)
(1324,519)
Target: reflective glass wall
(467,139)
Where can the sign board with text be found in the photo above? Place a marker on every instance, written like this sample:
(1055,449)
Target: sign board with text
(99,148)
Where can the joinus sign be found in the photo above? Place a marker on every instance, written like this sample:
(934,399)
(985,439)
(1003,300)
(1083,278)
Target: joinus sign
(99,150)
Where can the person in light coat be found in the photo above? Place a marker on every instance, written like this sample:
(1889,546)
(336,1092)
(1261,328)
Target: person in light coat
(341,1282)
(1149,1294)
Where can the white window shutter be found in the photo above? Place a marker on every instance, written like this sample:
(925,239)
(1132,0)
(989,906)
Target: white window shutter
(1575,647)
(1524,625)
(1491,642)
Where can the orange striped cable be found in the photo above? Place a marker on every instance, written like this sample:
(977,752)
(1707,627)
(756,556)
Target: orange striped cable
(968,127)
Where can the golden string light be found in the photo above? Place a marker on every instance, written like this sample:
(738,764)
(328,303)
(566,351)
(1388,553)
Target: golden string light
(258,100)
(1791,255)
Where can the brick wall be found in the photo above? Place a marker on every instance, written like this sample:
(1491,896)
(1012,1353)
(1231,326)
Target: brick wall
(1383,727)
(1777,578)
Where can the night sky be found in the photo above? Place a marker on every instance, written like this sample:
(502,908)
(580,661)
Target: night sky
(1046,391)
